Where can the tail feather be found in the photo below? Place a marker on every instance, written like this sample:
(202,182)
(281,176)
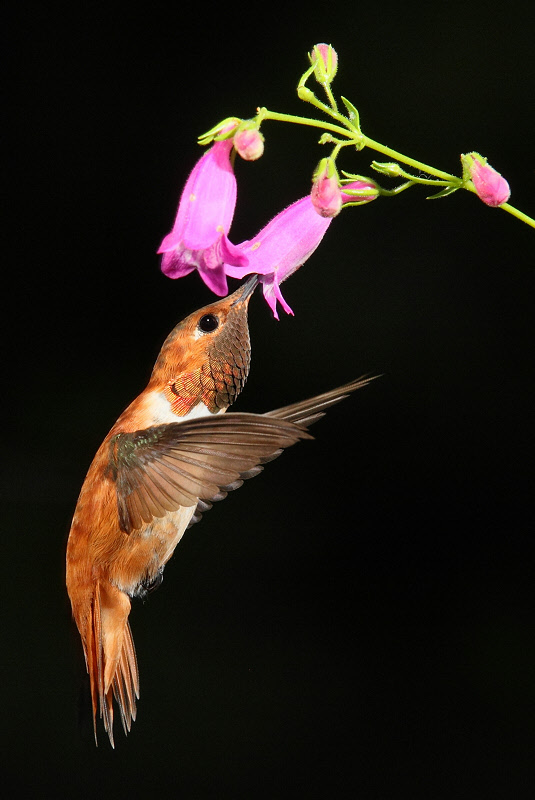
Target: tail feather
(92,641)
(126,682)
(111,659)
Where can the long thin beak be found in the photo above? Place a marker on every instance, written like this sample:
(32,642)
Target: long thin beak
(245,291)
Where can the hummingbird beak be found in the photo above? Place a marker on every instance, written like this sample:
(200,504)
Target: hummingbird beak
(245,291)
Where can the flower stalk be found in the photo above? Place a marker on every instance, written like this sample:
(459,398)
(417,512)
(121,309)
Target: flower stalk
(324,63)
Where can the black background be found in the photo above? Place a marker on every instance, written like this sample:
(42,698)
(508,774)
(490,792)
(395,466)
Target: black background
(358,620)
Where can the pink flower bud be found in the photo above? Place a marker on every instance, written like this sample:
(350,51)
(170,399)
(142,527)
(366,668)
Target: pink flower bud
(248,141)
(359,192)
(490,186)
(325,59)
(326,195)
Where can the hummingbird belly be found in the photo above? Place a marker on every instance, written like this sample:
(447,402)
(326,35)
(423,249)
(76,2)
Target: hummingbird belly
(147,551)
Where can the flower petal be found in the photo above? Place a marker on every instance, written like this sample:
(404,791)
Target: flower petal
(177,263)
(207,202)
(215,279)
(272,293)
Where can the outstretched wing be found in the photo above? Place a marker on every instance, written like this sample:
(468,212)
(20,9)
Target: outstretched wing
(304,414)
(160,469)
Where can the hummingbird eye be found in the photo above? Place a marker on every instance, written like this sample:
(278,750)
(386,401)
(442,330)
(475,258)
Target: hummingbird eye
(208,323)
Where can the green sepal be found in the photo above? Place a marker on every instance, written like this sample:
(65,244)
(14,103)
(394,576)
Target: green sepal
(326,168)
(353,114)
(443,193)
(356,203)
(467,161)
(350,177)
(216,135)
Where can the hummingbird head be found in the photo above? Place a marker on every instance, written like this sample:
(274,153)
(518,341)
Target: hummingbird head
(206,357)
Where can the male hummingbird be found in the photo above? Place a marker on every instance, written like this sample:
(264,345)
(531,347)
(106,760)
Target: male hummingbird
(169,456)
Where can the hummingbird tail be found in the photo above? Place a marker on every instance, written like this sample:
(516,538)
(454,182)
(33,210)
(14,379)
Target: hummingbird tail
(111,658)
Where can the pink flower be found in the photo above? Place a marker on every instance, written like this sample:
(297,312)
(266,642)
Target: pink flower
(199,236)
(490,186)
(281,248)
(326,195)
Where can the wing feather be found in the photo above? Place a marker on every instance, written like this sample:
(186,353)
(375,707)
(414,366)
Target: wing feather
(309,411)
(303,413)
(196,462)
(160,469)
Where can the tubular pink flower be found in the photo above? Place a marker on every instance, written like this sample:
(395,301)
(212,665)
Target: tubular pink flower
(281,248)
(490,186)
(199,236)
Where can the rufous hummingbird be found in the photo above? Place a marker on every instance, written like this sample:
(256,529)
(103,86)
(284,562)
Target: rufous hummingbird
(169,456)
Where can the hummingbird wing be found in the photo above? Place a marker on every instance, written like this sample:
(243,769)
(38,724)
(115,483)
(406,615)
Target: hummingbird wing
(303,413)
(309,411)
(160,469)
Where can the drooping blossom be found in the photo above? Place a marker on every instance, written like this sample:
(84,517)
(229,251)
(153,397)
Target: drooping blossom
(326,195)
(490,186)
(248,141)
(199,239)
(281,247)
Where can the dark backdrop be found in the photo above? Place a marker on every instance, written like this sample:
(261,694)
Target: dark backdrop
(359,620)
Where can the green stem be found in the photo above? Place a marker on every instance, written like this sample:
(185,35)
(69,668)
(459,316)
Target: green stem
(263,114)
(360,141)
(328,91)
(520,214)
(387,151)
(506,207)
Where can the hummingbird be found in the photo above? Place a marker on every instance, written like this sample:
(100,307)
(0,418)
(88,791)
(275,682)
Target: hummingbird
(171,454)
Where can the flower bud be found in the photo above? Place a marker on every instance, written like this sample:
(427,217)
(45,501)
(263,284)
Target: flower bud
(248,141)
(490,186)
(325,195)
(390,168)
(359,192)
(325,61)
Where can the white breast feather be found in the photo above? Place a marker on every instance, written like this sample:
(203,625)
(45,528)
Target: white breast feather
(159,408)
